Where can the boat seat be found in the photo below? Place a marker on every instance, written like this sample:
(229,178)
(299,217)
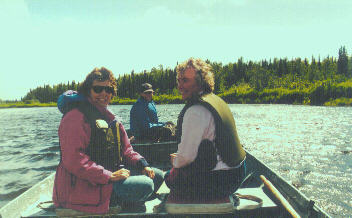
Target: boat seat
(51,211)
(47,209)
(250,199)
(177,206)
(63,212)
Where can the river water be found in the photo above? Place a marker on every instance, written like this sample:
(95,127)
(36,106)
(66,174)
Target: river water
(307,145)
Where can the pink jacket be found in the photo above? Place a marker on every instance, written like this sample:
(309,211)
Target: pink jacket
(80,183)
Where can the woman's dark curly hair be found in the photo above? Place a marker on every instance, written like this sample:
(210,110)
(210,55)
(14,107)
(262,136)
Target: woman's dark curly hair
(100,74)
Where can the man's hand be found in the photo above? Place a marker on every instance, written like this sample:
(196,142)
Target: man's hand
(120,174)
(172,158)
(149,172)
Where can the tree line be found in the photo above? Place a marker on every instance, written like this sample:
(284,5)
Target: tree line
(275,80)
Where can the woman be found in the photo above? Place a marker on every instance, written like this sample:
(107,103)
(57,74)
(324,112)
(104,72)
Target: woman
(210,161)
(94,148)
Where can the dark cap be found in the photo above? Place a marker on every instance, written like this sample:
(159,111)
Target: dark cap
(146,87)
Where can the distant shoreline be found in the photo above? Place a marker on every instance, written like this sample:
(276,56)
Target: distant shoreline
(335,102)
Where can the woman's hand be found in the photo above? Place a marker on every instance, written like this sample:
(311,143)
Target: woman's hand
(148,172)
(132,139)
(120,174)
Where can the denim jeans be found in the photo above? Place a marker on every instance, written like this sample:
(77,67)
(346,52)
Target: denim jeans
(137,187)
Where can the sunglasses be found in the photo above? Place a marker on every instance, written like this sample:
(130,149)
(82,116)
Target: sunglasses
(148,93)
(99,89)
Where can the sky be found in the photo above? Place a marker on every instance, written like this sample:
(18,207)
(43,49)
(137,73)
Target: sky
(47,42)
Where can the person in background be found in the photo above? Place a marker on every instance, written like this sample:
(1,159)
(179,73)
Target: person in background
(98,166)
(210,161)
(144,122)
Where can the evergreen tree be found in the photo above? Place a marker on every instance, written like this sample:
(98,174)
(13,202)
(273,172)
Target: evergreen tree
(350,67)
(342,62)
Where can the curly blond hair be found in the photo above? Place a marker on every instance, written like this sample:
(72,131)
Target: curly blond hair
(204,74)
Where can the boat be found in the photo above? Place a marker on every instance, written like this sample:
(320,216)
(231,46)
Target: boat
(262,194)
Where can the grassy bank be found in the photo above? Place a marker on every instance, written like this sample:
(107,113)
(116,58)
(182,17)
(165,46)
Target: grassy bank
(158,99)
(339,102)
(27,105)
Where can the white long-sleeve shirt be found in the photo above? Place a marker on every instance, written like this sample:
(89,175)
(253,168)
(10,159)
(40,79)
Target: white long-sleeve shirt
(198,124)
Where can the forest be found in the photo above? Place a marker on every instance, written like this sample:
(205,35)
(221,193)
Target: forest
(317,81)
